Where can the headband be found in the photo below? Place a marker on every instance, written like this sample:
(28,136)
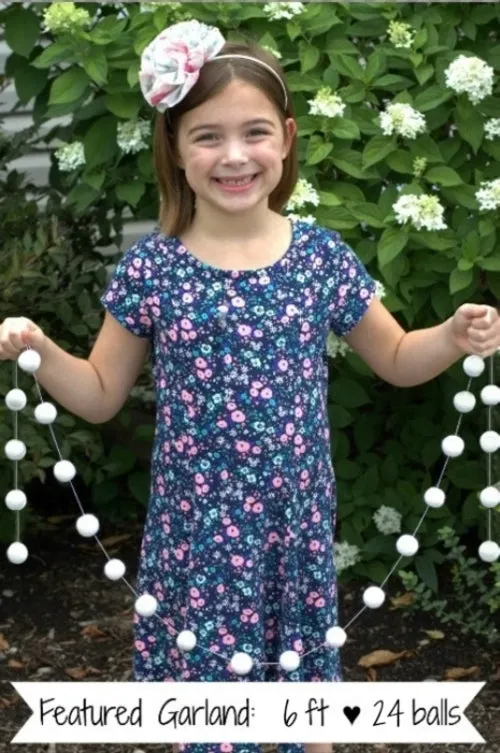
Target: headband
(171,63)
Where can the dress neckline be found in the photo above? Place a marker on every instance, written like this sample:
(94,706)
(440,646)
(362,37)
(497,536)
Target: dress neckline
(256,270)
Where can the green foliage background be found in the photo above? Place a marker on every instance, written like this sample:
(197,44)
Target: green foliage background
(385,441)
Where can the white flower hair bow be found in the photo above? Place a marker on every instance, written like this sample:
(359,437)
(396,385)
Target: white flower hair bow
(170,64)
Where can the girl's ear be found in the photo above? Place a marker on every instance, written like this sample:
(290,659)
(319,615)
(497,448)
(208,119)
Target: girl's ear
(290,131)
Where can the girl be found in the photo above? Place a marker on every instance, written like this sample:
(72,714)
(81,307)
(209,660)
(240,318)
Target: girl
(236,303)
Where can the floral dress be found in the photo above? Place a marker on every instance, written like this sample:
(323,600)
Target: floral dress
(238,539)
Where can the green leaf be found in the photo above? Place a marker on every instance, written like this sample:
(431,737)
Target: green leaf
(425,146)
(444,176)
(22,30)
(392,82)
(55,53)
(469,125)
(317,151)
(133,73)
(348,66)
(100,141)
(68,87)
(308,56)
(124,105)
(347,470)
(96,66)
(432,97)
(390,245)
(491,264)
(130,192)
(82,196)
(339,417)
(95,180)
(328,199)
(460,279)
(377,149)
(121,460)
(400,162)
(369,213)
(344,129)
(348,393)
(29,82)
(463,195)
(427,571)
(375,65)
(138,484)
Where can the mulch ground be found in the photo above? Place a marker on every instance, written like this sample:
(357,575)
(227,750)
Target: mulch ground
(62,620)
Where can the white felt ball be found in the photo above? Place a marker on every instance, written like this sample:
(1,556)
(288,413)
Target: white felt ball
(335,637)
(15,500)
(241,663)
(29,361)
(64,471)
(87,525)
(114,569)
(490,496)
(489,551)
(407,545)
(464,402)
(490,395)
(15,399)
(473,366)
(489,441)
(45,413)
(17,553)
(434,497)
(146,605)
(15,449)
(452,446)
(186,640)
(289,661)
(374,597)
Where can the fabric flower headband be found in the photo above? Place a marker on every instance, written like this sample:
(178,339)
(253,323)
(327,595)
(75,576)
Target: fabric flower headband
(171,63)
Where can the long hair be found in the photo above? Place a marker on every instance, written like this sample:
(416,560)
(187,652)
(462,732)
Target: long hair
(177,200)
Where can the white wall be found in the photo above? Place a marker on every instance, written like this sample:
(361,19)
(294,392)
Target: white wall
(36,166)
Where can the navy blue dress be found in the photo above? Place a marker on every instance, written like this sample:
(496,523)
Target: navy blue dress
(238,540)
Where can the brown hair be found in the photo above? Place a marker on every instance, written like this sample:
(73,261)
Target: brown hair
(177,200)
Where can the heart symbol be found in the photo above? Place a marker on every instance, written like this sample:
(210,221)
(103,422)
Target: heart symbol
(352,713)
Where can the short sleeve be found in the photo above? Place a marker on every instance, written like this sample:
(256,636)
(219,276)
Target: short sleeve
(351,288)
(128,295)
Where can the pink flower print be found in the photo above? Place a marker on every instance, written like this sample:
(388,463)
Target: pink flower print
(145,654)
(304,474)
(314,545)
(249,563)
(137,263)
(172,333)
(277,482)
(257,384)
(319,602)
(224,475)
(185,506)
(242,446)
(290,428)
(273,537)
(298,439)
(316,517)
(186,324)
(269,634)
(179,554)
(258,333)
(193,603)
(231,406)
(244,330)
(343,291)
(214,648)
(238,302)
(218,538)
(291,309)
(145,320)
(228,640)
(237,560)
(222,630)
(228,358)
(199,478)
(297,645)
(226,747)
(192,335)
(187,396)
(298,412)
(364,293)
(238,416)
(258,507)
(184,546)
(254,618)
(233,531)
(352,272)
(200,602)
(156,311)
(200,363)
(220,588)
(256,450)
(151,639)
(266,393)
(186,674)
(140,646)
(187,297)
(253,391)
(283,364)
(222,424)
(194,592)
(226,521)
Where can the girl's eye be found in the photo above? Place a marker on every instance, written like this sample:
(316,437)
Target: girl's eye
(253,132)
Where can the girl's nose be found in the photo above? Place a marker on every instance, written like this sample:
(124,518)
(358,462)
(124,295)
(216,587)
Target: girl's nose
(235,152)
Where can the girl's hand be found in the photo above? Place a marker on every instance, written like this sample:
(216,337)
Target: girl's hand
(476,329)
(16,334)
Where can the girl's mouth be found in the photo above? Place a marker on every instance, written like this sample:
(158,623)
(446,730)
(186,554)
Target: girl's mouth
(236,184)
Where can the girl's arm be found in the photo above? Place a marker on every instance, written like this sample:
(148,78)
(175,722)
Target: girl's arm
(406,359)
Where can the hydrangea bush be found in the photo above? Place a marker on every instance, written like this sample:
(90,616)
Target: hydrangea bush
(398,111)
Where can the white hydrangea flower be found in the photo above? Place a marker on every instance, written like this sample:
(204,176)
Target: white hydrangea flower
(402,119)
(470,75)
(492,128)
(422,211)
(489,195)
(387,520)
(65,17)
(274,52)
(70,156)
(277,11)
(131,136)
(380,291)
(326,103)
(303,218)
(304,193)
(401,34)
(346,555)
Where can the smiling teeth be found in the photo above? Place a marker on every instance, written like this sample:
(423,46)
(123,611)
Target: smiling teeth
(240,182)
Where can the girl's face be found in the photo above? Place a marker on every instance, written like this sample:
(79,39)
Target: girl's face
(237,134)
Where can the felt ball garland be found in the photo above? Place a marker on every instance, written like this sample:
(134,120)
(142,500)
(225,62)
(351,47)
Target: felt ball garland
(146,605)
